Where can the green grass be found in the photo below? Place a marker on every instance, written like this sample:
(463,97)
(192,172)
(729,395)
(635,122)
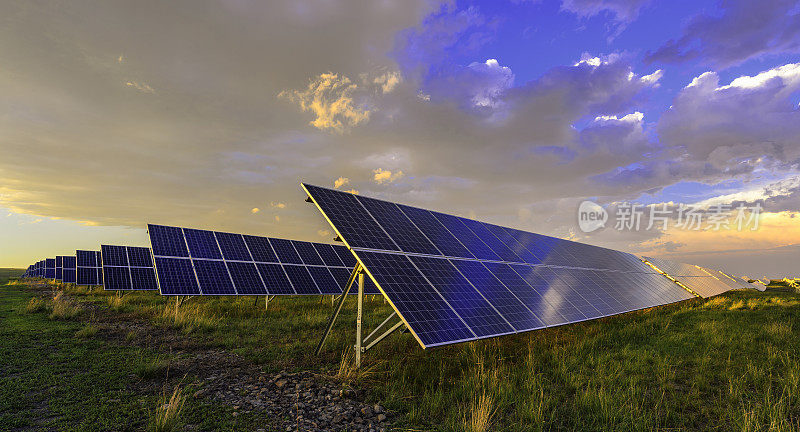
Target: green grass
(57,374)
(726,363)
(8,273)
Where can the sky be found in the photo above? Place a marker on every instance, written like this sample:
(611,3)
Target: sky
(209,114)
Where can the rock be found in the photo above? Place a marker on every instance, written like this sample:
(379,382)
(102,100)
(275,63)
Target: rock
(280,383)
(377,408)
(381,417)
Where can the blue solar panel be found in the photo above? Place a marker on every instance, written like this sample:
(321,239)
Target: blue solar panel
(143,278)
(436,232)
(324,280)
(202,244)
(329,255)
(139,257)
(275,279)
(345,208)
(260,249)
(167,241)
(472,242)
(286,251)
(68,275)
(117,278)
(249,265)
(86,276)
(301,279)
(307,253)
(454,279)
(246,279)
(233,247)
(433,321)
(466,301)
(213,277)
(346,256)
(176,276)
(501,297)
(135,263)
(114,255)
(404,233)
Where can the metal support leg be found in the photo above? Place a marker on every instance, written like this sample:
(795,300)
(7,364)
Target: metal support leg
(345,291)
(358,317)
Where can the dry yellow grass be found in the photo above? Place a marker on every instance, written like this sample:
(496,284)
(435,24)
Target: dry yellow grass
(168,415)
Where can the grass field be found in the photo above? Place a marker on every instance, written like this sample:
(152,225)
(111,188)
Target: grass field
(726,363)
(8,273)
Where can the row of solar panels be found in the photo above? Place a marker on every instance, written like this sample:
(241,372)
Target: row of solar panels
(449,278)
(219,264)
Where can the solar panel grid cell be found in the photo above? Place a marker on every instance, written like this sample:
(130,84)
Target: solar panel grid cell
(308,254)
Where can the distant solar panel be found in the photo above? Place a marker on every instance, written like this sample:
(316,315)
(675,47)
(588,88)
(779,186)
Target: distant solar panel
(452,279)
(89,267)
(198,262)
(705,283)
(69,269)
(50,268)
(59,268)
(127,268)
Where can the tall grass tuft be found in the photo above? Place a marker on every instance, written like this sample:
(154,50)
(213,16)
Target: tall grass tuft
(479,418)
(167,416)
(61,308)
(34,305)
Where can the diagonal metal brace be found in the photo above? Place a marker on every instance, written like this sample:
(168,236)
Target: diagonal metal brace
(384,335)
(339,304)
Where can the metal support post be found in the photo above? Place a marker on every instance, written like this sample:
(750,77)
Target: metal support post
(358,317)
(338,308)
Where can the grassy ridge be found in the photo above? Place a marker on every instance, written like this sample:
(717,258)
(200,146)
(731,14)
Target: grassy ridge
(726,363)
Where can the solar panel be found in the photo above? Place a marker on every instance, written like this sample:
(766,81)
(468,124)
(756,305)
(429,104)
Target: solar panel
(706,283)
(127,268)
(89,267)
(69,269)
(59,268)
(50,268)
(453,279)
(198,262)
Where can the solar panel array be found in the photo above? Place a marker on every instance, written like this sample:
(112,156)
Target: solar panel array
(127,268)
(89,267)
(453,279)
(699,280)
(198,262)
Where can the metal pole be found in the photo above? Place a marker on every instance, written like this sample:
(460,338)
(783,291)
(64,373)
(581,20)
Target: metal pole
(358,317)
(338,308)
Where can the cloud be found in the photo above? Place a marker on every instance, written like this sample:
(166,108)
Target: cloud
(330,98)
(324,233)
(622,10)
(341,181)
(255,210)
(142,87)
(388,81)
(279,205)
(386,176)
(744,30)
